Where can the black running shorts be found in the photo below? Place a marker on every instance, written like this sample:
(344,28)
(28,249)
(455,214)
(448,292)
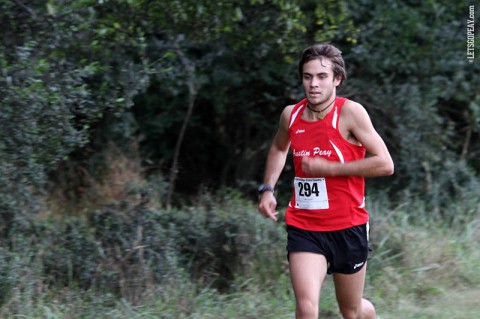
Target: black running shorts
(346,250)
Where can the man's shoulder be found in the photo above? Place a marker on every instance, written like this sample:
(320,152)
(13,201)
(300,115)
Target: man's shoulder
(351,106)
(353,113)
(287,111)
(351,103)
(289,108)
(287,115)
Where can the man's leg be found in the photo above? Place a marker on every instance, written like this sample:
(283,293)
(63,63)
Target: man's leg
(349,292)
(307,272)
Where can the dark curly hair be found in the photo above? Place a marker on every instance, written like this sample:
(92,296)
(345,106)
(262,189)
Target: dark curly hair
(319,51)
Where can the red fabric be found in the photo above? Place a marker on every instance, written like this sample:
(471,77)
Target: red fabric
(345,194)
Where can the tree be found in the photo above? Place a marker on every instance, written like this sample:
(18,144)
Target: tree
(244,55)
(63,67)
(415,80)
(196,54)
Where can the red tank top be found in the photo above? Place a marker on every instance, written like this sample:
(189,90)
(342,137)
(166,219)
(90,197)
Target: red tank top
(324,203)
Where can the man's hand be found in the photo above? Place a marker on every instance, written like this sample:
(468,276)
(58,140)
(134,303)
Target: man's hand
(267,205)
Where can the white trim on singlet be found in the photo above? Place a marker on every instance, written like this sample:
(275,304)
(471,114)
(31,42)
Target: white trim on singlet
(339,153)
(363,203)
(335,116)
(294,115)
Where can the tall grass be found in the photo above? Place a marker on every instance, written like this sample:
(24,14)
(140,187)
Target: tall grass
(220,259)
(420,257)
(116,253)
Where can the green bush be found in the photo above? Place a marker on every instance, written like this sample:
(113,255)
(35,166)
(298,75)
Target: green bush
(218,258)
(128,249)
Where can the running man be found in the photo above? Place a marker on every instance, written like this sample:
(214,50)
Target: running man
(327,221)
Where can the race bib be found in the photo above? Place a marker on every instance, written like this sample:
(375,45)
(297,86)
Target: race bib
(311,193)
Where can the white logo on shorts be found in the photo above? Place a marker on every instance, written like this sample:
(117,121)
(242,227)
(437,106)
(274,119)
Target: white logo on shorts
(358,265)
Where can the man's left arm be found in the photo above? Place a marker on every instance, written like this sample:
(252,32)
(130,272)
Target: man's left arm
(377,163)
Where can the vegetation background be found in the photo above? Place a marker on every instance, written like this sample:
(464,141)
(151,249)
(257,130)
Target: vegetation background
(133,134)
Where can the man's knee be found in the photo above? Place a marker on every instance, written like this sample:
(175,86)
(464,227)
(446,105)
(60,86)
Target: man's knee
(350,313)
(307,308)
(364,311)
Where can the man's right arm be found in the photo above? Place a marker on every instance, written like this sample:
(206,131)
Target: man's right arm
(276,158)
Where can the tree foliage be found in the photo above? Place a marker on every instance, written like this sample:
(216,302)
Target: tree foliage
(62,67)
(193,90)
(59,77)
(233,65)
(422,92)
(210,79)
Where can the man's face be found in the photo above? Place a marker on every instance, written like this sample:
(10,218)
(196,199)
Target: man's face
(318,81)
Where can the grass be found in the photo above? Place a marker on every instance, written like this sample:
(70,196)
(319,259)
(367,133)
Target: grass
(456,303)
(255,302)
(425,268)
(420,269)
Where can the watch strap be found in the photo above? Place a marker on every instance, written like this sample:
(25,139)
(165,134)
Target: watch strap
(265,188)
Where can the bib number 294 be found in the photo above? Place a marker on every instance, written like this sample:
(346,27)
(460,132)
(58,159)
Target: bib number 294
(307,189)
(311,193)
